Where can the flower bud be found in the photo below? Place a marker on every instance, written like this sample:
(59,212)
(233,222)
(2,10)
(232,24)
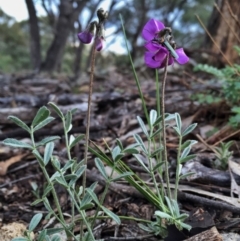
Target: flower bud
(102,15)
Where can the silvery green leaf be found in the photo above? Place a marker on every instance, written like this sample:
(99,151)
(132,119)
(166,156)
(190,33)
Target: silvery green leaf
(42,114)
(47,238)
(131,151)
(70,176)
(56,163)
(182,216)
(185,152)
(56,174)
(178,122)
(42,235)
(20,239)
(67,165)
(43,123)
(189,129)
(101,168)
(87,198)
(51,231)
(144,227)
(156,133)
(37,201)
(93,196)
(185,144)
(112,215)
(35,221)
(46,140)
(187,158)
(186,226)
(141,163)
(170,205)
(169,117)
(115,152)
(87,206)
(20,123)
(179,169)
(55,237)
(139,140)
(38,156)
(75,140)
(177,130)
(158,120)
(68,123)
(156,152)
(119,143)
(142,125)
(187,175)
(15,143)
(56,109)
(81,170)
(119,157)
(61,181)
(162,214)
(153,117)
(157,166)
(125,174)
(48,152)
(47,190)
(47,204)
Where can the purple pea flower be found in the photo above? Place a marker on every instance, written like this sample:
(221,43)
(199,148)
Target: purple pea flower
(85,37)
(156,55)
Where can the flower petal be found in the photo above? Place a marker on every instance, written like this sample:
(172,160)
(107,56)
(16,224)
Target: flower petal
(149,61)
(170,62)
(152,46)
(151,28)
(183,58)
(85,37)
(160,56)
(99,44)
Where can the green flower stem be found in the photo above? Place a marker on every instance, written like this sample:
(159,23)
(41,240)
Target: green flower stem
(83,215)
(159,113)
(69,158)
(178,166)
(164,128)
(66,140)
(93,57)
(108,181)
(55,197)
(121,217)
(134,73)
(64,226)
(151,171)
(48,180)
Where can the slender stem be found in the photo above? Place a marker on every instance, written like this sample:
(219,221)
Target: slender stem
(69,158)
(178,166)
(93,56)
(164,128)
(134,73)
(108,181)
(89,112)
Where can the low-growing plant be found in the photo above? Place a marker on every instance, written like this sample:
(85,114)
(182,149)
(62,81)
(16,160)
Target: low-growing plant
(229,78)
(150,146)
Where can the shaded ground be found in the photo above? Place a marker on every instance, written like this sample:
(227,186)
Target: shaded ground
(116,103)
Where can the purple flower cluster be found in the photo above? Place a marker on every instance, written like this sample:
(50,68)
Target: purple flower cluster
(156,54)
(95,29)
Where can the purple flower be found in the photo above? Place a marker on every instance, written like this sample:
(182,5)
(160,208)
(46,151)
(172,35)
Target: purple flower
(94,30)
(99,43)
(157,52)
(85,37)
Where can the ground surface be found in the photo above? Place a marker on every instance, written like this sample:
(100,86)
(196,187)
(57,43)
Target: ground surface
(116,103)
